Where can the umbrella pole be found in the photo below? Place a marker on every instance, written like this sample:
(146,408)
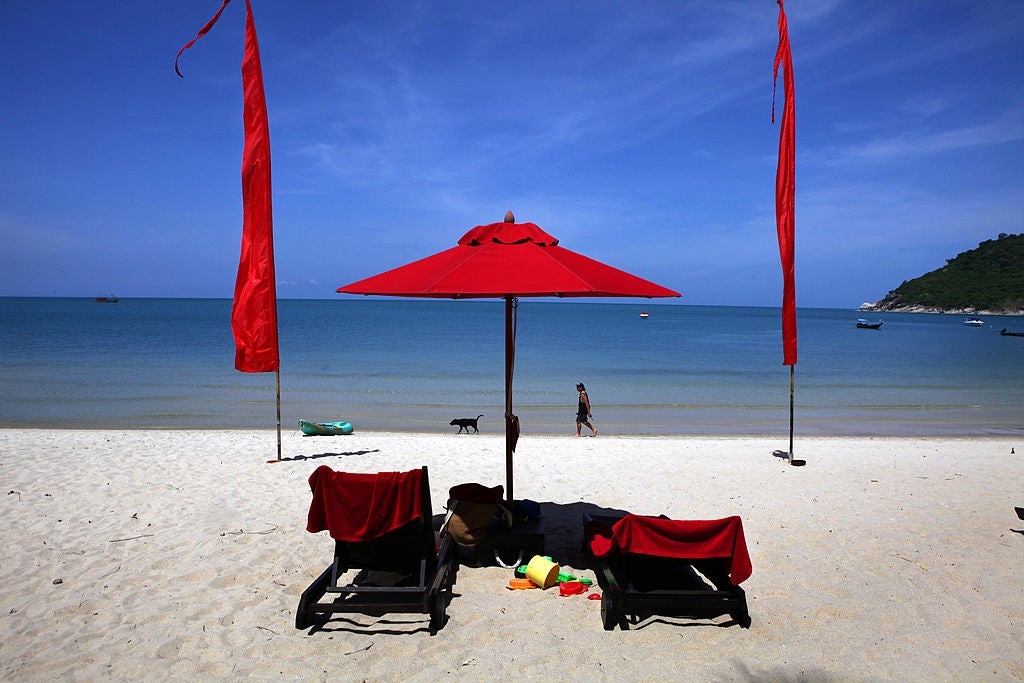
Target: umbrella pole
(510,353)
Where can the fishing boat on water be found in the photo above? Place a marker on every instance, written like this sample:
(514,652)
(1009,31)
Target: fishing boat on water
(1006,333)
(106,299)
(974,322)
(865,325)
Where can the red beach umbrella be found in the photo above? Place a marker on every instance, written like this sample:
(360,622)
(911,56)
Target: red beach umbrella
(507,260)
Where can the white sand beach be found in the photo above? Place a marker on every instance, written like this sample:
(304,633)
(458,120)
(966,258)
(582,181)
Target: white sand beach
(152,555)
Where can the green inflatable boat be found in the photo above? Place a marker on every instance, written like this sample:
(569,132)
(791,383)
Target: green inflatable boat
(325,428)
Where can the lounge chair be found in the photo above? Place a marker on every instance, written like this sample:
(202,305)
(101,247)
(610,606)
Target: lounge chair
(383,532)
(658,566)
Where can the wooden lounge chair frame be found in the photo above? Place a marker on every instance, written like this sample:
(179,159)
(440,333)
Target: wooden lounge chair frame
(412,551)
(644,585)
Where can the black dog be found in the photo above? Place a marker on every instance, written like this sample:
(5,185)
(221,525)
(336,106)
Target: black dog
(466,423)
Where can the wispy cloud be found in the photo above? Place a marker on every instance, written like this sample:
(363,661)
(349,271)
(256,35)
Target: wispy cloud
(397,113)
(1008,127)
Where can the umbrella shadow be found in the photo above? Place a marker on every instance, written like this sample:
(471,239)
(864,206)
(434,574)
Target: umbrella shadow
(563,538)
(563,526)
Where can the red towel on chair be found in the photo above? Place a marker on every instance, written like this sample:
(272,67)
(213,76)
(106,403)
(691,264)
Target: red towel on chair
(691,540)
(361,507)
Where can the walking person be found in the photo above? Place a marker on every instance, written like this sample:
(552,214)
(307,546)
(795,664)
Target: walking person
(583,411)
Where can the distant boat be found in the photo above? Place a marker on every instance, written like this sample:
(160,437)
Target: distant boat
(1006,333)
(643,314)
(106,299)
(865,325)
(974,322)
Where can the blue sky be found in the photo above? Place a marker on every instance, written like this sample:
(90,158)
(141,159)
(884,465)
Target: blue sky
(638,133)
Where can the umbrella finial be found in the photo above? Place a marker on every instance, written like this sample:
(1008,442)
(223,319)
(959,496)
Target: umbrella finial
(510,217)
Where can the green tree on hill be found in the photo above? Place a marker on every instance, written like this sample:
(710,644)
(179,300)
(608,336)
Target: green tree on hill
(989,278)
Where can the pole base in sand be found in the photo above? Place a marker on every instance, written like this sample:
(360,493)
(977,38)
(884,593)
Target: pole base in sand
(786,455)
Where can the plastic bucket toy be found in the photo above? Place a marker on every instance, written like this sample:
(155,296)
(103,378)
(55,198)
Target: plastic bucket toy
(542,571)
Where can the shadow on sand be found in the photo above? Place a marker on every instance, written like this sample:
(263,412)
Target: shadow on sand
(346,454)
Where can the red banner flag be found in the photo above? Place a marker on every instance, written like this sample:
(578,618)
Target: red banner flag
(785,190)
(254,313)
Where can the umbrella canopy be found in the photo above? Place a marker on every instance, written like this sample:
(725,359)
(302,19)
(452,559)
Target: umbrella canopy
(507,260)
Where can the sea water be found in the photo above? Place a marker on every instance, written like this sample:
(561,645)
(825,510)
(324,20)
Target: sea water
(414,365)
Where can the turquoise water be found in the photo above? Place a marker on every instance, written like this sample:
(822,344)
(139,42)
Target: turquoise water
(414,365)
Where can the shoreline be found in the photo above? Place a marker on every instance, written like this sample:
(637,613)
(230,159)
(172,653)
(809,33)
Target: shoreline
(182,554)
(895,430)
(288,432)
(728,421)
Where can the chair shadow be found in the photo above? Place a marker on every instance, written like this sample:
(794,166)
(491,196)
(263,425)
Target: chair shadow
(338,623)
(691,621)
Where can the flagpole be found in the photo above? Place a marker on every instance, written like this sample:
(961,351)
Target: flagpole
(277,378)
(785,206)
(792,386)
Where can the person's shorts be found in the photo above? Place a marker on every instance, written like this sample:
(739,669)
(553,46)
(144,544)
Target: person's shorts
(581,417)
